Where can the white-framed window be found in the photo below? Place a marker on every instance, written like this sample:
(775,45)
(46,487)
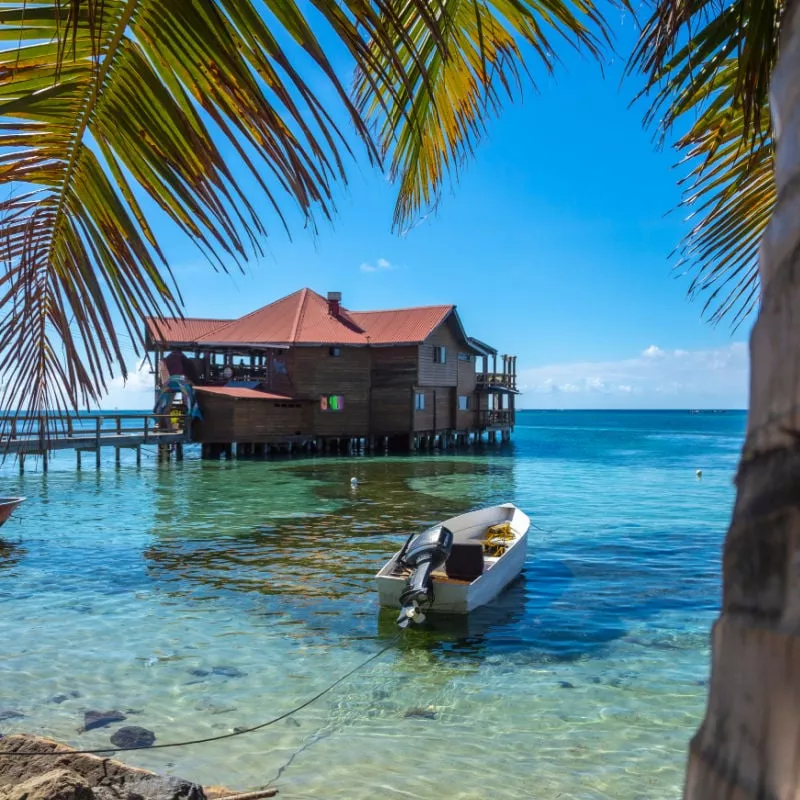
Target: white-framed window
(334,352)
(439,354)
(419,401)
(463,402)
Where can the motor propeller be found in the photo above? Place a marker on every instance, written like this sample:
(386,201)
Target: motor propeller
(422,556)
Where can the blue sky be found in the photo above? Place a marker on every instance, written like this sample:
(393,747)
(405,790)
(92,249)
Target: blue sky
(554,246)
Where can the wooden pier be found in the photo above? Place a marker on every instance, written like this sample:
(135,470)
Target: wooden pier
(22,436)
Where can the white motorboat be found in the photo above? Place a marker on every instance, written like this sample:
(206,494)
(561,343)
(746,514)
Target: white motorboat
(457,565)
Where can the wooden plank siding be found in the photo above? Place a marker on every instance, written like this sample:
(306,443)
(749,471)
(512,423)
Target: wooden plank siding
(393,375)
(465,420)
(314,372)
(391,410)
(228,419)
(424,419)
(431,373)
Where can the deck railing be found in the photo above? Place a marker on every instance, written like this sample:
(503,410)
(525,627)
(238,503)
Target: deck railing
(499,380)
(497,418)
(48,427)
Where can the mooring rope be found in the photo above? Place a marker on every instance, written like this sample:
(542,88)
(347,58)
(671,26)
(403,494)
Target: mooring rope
(239,732)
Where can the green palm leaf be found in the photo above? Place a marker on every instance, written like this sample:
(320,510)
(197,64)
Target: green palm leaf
(104,102)
(431,103)
(717,82)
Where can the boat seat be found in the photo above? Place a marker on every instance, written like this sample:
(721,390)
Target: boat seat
(465,562)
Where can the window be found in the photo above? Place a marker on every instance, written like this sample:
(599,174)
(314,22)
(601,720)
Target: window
(464,357)
(331,402)
(463,402)
(439,354)
(334,352)
(419,404)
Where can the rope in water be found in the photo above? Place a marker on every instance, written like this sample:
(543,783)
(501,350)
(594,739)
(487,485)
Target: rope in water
(240,732)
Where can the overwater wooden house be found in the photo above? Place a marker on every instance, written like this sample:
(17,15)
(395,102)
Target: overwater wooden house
(307,371)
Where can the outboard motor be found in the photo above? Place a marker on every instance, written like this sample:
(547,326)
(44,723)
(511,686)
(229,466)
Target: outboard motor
(422,556)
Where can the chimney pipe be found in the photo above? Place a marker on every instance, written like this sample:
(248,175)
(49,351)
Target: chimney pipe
(334,300)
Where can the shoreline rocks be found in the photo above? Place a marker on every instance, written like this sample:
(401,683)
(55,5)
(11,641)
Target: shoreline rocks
(80,777)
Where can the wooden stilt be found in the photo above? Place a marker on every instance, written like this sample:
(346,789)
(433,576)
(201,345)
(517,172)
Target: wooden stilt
(78,460)
(117,457)
(138,456)
(179,452)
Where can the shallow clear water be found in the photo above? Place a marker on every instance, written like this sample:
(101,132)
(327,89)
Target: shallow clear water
(586,679)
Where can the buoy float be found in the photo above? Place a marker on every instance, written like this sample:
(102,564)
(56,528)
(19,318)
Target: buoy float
(353,483)
(699,473)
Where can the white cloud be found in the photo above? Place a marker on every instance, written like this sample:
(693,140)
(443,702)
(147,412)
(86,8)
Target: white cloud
(137,393)
(656,352)
(656,378)
(381,265)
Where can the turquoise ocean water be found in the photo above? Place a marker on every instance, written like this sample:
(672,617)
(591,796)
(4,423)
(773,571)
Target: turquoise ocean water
(206,596)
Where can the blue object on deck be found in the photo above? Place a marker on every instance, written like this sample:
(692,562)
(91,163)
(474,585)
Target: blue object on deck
(177,384)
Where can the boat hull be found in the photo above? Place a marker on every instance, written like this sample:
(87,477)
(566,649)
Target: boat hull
(461,597)
(7,506)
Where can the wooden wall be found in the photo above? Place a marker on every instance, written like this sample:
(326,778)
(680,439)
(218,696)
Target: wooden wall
(227,419)
(394,366)
(432,374)
(390,410)
(439,412)
(314,372)
(424,418)
(466,388)
(393,375)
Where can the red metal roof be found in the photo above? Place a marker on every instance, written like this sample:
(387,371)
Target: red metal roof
(402,325)
(304,317)
(188,329)
(299,318)
(240,393)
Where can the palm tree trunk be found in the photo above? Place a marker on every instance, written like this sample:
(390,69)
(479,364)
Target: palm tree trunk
(749,743)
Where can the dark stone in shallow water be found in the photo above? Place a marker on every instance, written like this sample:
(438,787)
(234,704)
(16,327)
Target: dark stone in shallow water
(9,713)
(566,685)
(133,736)
(99,719)
(60,698)
(228,672)
(420,713)
(199,673)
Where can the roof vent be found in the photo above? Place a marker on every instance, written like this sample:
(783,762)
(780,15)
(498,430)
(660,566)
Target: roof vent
(334,301)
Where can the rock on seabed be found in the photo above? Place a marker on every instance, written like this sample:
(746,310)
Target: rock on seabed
(42,776)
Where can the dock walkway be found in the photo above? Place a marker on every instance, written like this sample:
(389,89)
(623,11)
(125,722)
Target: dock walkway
(22,436)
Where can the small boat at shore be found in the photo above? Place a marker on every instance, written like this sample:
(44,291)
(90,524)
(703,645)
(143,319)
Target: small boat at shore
(7,506)
(455,566)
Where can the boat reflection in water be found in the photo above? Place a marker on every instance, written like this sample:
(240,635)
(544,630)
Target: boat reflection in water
(490,625)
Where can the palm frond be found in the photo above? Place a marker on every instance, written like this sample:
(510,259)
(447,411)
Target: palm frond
(104,102)
(684,44)
(730,194)
(430,104)
(717,82)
